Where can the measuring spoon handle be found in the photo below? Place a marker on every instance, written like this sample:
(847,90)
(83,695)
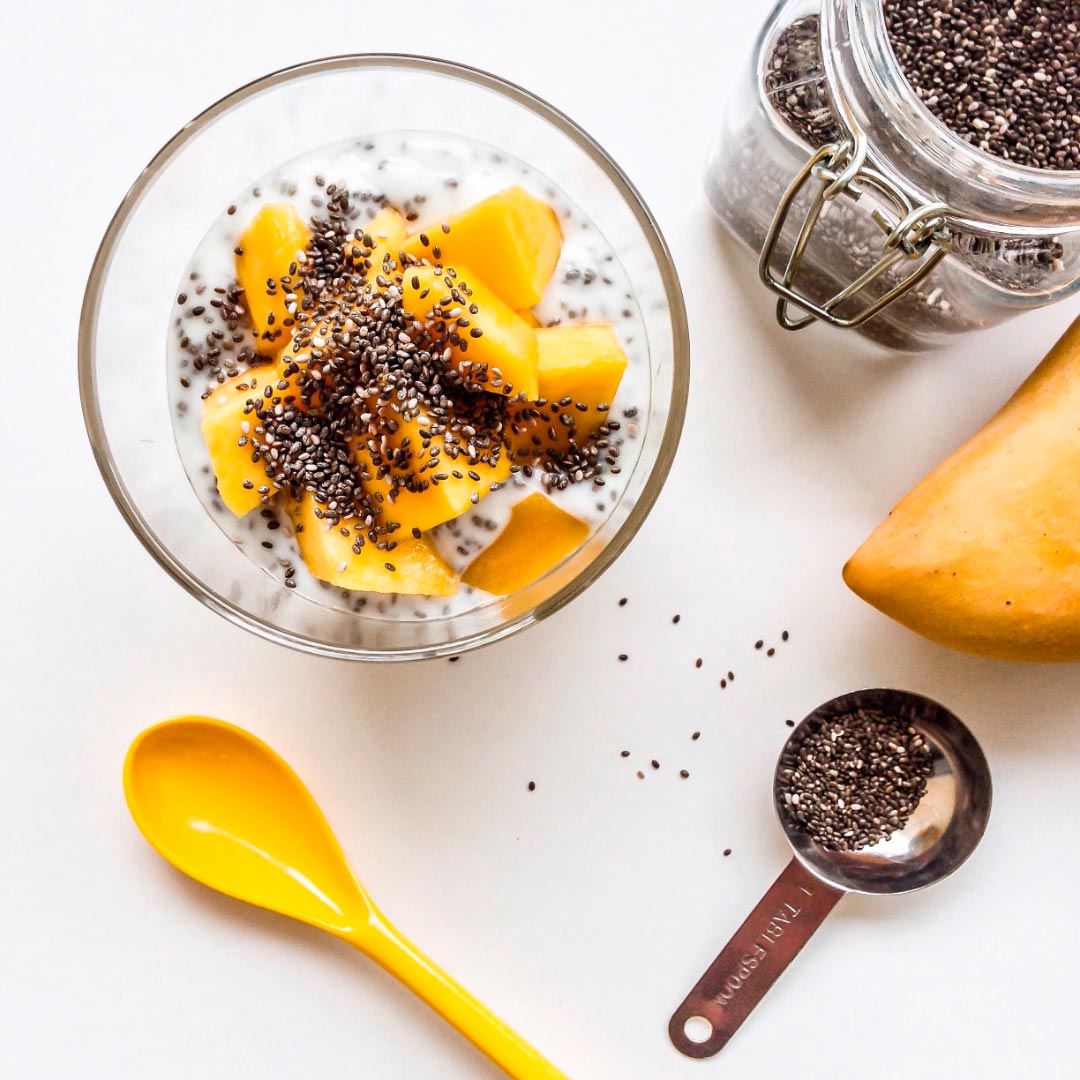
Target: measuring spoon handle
(769,939)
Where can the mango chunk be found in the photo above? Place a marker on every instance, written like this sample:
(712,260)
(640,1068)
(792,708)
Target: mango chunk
(407,488)
(529,316)
(538,536)
(268,247)
(228,426)
(511,240)
(414,567)
(983,554)
(387,231)
(583,362)
(494,335)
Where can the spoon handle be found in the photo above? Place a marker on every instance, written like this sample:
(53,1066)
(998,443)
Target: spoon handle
(393,952)
(769,939)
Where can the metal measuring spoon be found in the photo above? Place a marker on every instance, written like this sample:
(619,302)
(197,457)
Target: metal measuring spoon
(941,833)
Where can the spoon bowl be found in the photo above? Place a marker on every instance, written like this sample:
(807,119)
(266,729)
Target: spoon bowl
(227,811)
(945,827)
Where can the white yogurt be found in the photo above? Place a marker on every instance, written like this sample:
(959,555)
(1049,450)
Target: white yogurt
(432,177)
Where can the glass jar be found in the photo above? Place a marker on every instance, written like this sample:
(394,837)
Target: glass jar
(865,210)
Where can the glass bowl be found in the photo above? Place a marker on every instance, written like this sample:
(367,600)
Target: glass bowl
(131,291)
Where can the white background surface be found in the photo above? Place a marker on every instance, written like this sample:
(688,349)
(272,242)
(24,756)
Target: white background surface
(584,911)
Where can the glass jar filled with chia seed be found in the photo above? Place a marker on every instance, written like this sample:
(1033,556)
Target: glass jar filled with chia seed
(907,168)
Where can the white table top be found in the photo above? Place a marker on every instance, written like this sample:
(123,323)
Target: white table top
(581,912)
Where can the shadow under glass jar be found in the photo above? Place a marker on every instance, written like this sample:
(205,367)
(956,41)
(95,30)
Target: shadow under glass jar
(865,210)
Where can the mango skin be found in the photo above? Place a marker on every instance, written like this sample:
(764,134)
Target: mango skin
(983,555)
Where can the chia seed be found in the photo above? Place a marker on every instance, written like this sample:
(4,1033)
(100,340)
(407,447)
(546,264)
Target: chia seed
(751,177)
(855,779)
(1002,74)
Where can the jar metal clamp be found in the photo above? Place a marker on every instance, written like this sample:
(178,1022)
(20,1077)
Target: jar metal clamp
(918,233)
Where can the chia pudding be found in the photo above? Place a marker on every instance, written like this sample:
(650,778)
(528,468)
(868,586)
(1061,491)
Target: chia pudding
(427,178)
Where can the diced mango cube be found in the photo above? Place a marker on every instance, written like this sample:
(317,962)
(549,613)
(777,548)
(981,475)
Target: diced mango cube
(268,248)
(529,316)
(406,486)
(538,536)
(228,422)
(494,335)
(511,240)
(413,567)
(387,231)
(583,362)
(228,427)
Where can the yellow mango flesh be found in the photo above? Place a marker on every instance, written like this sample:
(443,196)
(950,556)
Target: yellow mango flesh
(983,555)
(268,247)
(387,230)
(538,536)
(438,501)
(583,362)
(224,419)
(418,569)
(507,345)
(511,240)
(529,316)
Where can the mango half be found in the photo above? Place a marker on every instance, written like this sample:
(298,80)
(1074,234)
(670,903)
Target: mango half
(983,554)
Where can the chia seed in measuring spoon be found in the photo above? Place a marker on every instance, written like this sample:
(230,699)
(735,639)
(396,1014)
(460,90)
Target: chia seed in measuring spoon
(429,177)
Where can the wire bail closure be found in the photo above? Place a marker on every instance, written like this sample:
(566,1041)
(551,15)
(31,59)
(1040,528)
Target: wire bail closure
(912,232)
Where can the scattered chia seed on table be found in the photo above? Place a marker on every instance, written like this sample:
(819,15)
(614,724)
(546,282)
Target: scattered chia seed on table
(856,779)
(1002,74)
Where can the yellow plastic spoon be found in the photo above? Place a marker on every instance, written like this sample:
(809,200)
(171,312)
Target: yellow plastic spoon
(222,807)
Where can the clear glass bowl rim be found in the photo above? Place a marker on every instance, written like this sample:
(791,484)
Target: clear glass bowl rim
(672,290)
